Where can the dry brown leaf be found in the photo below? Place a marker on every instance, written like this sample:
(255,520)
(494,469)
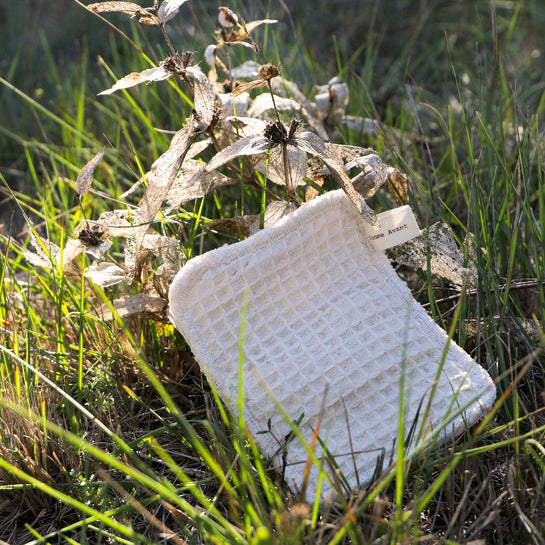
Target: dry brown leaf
(203,99)
(85,177)
(129,8)
(446,259)
(248,28)
(156,242)
(231,105)
(159,180)
(244,87)
(254,144)
(311,192)
(50,256)
(264,102)
(38,260)
(105,274)
(274,167)
(231,43)
(141,305)
(135,78)
(347,153)
(245,226)
(114,223)
(197,148)
(182,192)
(168,252)
(313,144)
(398,186)
(374,172)
(169,9)
(274,212)
(228,35)
(236,227)
(276,134)
(163,277)
(235,127)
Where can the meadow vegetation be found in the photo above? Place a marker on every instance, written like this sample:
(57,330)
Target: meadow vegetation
(108,431)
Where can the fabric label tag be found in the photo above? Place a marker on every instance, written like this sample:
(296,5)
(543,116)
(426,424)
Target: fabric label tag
(396,227)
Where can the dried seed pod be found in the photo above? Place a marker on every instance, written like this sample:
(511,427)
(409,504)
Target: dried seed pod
(268,71)
(227,17)
(93,234)
(210,55)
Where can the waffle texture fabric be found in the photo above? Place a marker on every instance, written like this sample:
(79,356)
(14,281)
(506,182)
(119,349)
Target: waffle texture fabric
(332,334)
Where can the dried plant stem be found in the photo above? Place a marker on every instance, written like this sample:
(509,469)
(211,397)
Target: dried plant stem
(273,101)
(252,41)
(83,213)
(167,39)
(213,139)
(189,84)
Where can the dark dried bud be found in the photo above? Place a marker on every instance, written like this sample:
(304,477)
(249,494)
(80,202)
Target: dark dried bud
(178,63)
(229,85)
(276,133)
(92,235)
(267,72)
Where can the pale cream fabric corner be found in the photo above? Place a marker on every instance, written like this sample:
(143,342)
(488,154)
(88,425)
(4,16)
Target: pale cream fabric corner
(330,328)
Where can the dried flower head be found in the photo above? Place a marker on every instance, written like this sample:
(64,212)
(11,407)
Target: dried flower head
(268,71)
(276,132)
(264,76)
(178,64)
(93,234)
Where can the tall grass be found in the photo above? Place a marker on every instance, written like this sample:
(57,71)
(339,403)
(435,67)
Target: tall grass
(110,433)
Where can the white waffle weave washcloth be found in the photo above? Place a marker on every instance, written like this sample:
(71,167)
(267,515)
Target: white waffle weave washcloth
(331,332)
